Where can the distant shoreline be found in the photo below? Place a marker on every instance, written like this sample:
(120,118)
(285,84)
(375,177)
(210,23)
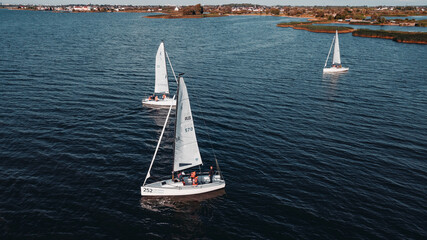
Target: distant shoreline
(172,16)
(398,36)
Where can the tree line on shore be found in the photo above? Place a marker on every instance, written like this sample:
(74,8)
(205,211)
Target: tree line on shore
(327,12)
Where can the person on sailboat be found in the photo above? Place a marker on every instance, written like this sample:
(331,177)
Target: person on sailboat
(194,178)
(211,173)
(164,96)
(181,175)
(156,98)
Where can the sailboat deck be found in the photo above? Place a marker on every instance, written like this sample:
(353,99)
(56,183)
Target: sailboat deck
(160,103)
(184,187)
(185,182)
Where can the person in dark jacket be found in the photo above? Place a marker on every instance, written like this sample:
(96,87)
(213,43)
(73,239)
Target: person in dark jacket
(211,173)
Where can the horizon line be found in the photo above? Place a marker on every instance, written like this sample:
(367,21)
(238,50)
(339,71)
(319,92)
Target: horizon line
(157,5)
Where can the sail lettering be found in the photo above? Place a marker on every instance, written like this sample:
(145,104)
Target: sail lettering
(188,118)
(189,129)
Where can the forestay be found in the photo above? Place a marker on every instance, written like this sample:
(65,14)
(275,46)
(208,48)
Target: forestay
(337,57)
(161,85)
(187,152)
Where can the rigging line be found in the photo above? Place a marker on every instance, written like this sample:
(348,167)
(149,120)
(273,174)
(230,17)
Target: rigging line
(158,143)
(213,151)
(170,64)
(329,52)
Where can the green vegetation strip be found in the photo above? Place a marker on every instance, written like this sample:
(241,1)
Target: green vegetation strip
(421,23)
(288,24)
(326,28)
(407,37)
(315,28)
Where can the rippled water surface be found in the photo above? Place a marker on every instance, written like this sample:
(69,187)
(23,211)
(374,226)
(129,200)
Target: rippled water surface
(305,156)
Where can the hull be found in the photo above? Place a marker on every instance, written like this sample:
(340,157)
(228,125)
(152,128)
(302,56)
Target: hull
(335,70)
(170,188)
(160,103)
(179,203)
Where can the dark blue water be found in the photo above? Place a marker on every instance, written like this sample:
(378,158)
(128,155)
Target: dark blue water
(305,156)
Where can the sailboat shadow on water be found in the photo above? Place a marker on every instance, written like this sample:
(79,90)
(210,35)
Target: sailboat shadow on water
(158,114)
(179,203)
(331,82)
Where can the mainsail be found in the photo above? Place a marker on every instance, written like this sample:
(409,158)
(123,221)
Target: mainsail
(161,85)
(187,152)
(337,57)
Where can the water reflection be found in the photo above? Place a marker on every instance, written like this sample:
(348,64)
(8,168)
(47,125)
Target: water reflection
(184,204)
(159,115)
(331,80)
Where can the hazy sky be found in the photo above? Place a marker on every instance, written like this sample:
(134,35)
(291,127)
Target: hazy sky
(218,2)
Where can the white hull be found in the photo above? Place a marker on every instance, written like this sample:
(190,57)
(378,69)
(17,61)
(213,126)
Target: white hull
(160,103)
(335,70)
(170,188)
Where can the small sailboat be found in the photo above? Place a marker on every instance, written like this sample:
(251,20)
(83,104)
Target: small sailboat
(186,156)
(336,60)
(160,98)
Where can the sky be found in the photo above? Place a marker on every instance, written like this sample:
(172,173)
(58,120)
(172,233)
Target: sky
(219,2)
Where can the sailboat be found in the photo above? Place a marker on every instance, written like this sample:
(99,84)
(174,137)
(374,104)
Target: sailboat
(160,98)
(186,156)
(336,60)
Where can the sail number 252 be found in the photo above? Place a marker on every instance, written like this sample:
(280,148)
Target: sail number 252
(147,190)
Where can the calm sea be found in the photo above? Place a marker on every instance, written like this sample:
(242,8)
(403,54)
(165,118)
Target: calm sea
(305,156)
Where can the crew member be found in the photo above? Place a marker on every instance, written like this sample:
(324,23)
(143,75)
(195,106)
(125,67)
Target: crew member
(195,181)
(181,175)
(211,173)
(194,178)
(156,98)
(164,96)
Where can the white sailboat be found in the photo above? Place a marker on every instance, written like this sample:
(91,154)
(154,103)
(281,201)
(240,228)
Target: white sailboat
(336,60)
(186,156)
(160,98)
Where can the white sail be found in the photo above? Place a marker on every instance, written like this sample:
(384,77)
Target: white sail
(187,152)
(161,85)
(337,57)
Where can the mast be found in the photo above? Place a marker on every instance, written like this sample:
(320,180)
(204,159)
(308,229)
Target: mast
(176,118)
(170,64)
